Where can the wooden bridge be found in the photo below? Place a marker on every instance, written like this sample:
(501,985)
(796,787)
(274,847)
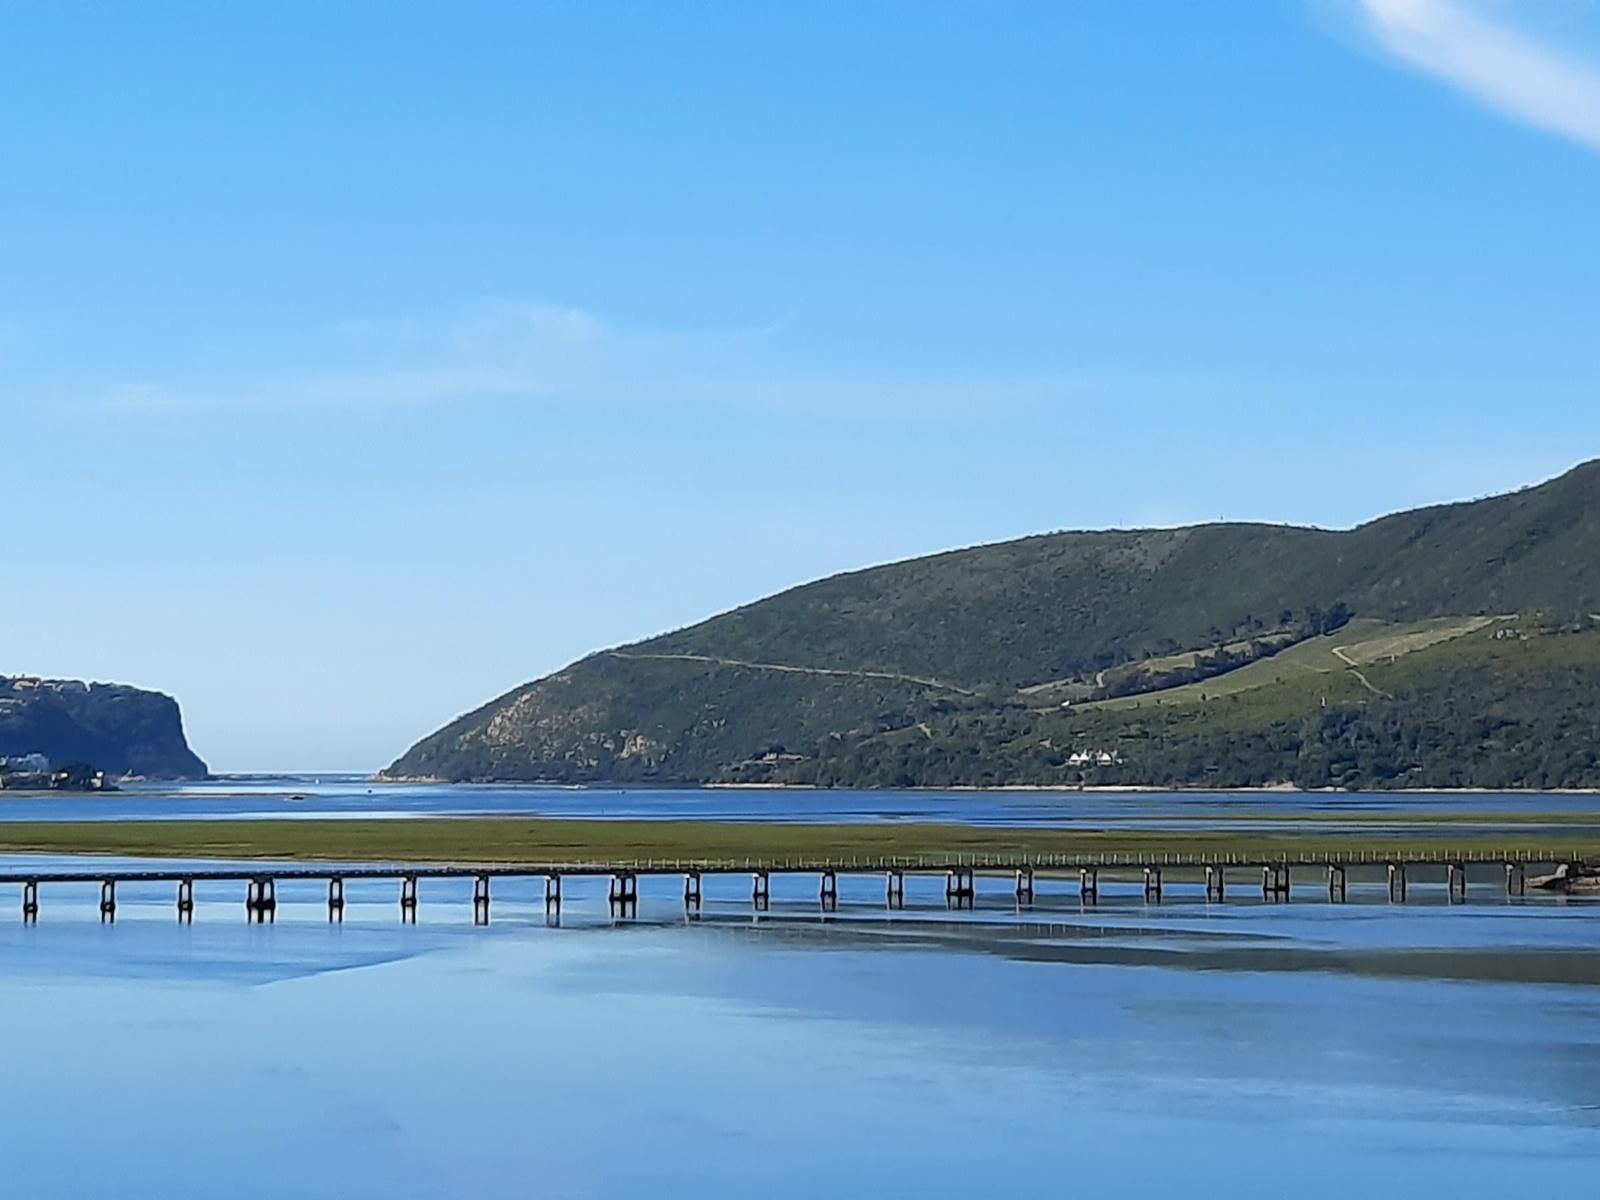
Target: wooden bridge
(959,871)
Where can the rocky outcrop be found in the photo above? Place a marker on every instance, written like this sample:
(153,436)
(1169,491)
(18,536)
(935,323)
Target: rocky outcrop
(118,729)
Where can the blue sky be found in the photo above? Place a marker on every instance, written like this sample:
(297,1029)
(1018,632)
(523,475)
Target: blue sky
(359,362)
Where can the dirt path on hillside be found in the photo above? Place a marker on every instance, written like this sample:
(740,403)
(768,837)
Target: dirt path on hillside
(1350,663)
(711,660)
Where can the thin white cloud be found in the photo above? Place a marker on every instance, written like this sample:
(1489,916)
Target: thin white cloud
(533,352)
(1498,65)
(525,328)
(354,388)
(502,351)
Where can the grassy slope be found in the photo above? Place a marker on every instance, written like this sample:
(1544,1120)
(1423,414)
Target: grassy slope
(1471,712)
(1386,644)
(1364,641)
(995,618)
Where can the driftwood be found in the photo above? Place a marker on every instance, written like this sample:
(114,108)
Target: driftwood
(1572,878)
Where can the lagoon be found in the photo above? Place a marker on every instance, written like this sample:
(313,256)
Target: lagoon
(1309,1048)
(301,797)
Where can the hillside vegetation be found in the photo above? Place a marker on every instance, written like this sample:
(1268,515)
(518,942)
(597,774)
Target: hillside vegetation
(939,670)
(1478,711)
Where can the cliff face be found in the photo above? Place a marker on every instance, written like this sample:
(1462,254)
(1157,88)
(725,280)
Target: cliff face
(121,730)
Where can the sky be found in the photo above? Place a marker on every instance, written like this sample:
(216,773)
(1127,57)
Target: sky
(360,362)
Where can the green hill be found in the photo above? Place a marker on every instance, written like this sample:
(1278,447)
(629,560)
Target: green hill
(1508,706)
(798,686)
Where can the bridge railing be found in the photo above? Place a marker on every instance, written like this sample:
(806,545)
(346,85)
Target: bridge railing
(841,864)
(1442,856)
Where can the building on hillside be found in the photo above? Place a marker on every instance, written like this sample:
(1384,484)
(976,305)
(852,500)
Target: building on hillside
(1094,758)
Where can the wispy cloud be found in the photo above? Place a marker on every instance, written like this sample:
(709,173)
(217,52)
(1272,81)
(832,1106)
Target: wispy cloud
(353,388)
(536,352)
(1497,64)
(502,351)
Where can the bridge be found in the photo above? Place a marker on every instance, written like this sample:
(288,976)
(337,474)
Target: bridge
(959,871)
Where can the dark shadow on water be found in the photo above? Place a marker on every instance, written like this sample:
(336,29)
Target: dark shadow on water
(1088,943)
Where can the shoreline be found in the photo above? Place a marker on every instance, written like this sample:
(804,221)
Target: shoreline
(979,789)
(1138,789)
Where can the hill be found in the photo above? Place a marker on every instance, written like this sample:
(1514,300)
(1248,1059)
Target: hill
(1511,706)
(998,637)
(121,730)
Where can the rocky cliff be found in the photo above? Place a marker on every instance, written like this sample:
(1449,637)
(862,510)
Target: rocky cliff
(121,730)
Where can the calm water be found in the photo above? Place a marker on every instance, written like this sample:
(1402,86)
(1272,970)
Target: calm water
(1305,1049)
(290,797)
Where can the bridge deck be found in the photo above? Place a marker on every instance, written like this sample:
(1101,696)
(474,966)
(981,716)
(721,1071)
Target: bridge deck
(926,864)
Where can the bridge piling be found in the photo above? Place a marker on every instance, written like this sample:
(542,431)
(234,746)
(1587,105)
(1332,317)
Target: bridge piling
(1275,881)
(1336,884)
(1216,884)
(408,899)
(1089,885)
(552,895)
(108,901)
(894,887)
(959,889)
(1025,886)
(691,890)
(1152,885)
(336,898)
(480,900)
(624,894)
(30,901)
(1456,883)
(1397,883)
(185,900)
(261,900)
(828,891)
(760,891)
(1516,880)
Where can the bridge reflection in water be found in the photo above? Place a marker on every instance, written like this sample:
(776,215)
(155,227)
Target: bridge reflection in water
(960,873)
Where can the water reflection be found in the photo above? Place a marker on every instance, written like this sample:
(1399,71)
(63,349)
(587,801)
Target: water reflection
(1335,1048)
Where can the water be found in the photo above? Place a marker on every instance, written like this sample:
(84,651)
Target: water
(293,797)
(1309,1049)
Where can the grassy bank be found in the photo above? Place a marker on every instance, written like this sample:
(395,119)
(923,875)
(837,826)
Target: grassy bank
(509,839)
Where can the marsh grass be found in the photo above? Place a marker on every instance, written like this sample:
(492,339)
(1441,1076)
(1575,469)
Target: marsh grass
(524,840)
